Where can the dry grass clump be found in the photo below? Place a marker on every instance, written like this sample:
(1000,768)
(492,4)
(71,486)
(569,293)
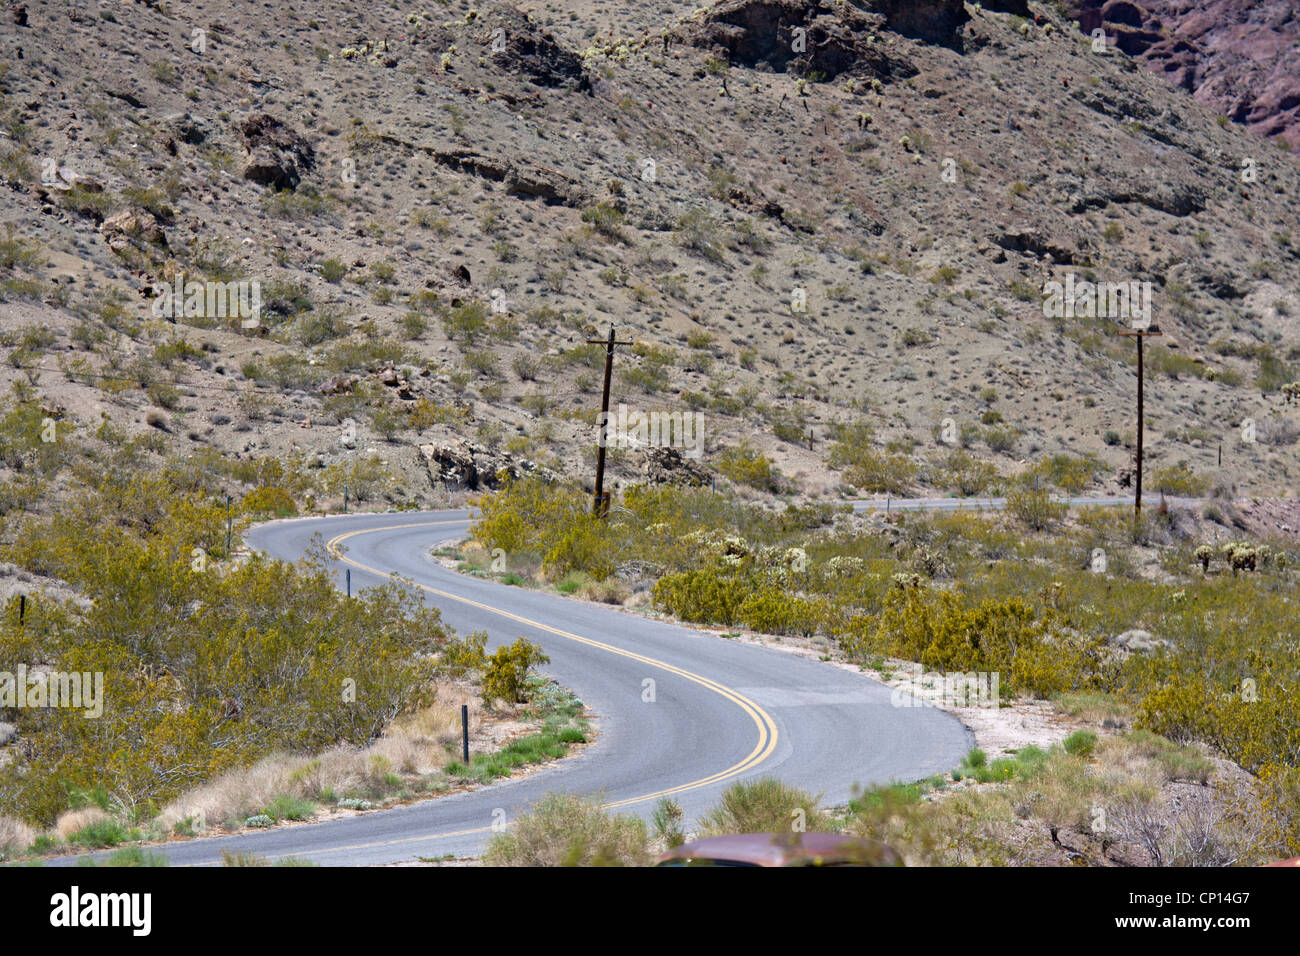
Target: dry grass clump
(414,745)
(73,821)
(15,836)
(609,591)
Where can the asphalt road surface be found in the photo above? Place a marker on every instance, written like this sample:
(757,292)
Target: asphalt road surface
(723,710)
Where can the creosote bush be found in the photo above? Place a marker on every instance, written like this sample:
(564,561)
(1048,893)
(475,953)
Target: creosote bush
(206,666)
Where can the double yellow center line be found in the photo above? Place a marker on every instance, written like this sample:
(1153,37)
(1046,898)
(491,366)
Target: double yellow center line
(767,733)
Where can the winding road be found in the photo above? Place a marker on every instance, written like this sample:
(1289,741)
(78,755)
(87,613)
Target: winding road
(722,710)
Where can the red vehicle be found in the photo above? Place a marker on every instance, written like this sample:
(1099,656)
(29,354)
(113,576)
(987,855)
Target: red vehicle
(781,849)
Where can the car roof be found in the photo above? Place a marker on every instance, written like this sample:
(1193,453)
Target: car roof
(784,849)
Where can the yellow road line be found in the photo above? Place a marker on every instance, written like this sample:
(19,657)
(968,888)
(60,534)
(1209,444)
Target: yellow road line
(767,733)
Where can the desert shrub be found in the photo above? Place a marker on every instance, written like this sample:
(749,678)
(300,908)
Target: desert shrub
(364,476)
(605,219)
(746,465)
(464,655)
(506,673)
(946,632)
(702,596)
(1081,743)
(552,522)
(366,356)
(201,671)
(775,611)
(332,270)
(269,501)
(1070,473)
(1001,438)
(1035,509)
(319,326)
(389,420)
(764,806)
(699,232)
(964,473)
(1280,806)
(877,473)
(1180,481)
(15,836)
(570,830)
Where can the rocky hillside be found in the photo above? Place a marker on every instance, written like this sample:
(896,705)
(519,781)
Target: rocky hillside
(1239,57)
(802,212)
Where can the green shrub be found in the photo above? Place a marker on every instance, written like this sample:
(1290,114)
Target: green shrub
(699,232)
(746,465)
(605,219)
(224,640)
(703,596)
(1179,481)
(964,473)
(570,830)
(764,806)
(102,833)
(877,473)
(1035,509)
(1081,743)
(506,673)
(464,655)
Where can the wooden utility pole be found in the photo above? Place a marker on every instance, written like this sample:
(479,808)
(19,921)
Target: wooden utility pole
(600,504)
(1139,334)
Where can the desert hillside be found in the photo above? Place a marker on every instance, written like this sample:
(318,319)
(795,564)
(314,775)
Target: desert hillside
(804,214)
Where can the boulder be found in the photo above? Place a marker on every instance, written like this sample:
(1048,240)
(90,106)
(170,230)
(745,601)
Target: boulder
(185,128)
(470,466)
(337,384)
(130,228)
(1137,641)
(663,465)
(277,156)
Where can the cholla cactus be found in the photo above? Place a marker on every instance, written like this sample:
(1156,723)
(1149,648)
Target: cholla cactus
(904,581)
(1240,557)
(845,566)
(737,546)
(1203,554)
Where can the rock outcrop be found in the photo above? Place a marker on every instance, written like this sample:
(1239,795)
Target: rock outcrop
(469,466)
(131,228)
(523,48)
(663,465)
(1240,57)
(277,156)
(814,38)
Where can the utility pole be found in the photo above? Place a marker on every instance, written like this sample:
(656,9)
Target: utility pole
(1139,334)
(600,504)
